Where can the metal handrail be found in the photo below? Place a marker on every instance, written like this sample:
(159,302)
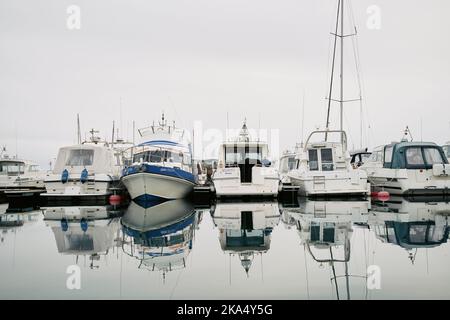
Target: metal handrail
(343,133)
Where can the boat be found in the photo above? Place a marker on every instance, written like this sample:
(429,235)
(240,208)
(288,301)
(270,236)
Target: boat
(160,236)
(287,163)
(323,166)
(18,174)
(162,165)
(90,169)
(245,228)
(244,169)
(324,169)
(409,168)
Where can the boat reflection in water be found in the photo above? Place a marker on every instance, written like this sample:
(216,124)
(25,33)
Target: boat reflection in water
(325,229)
(89,231)
(245,228)
(11,223)
(160,235)
(411,225)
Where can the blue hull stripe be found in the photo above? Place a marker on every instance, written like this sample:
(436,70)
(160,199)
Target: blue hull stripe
(164,171)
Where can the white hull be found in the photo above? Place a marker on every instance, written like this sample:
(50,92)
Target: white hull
(227,183)
(401,181)
(343,183)
(166,187)
(100,187)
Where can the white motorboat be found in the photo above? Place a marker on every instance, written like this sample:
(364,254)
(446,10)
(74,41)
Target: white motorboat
(409,168)
(89,169)
(244,168)
(245,228)
(323,169)
(162,165)
(287,163)
(18,174)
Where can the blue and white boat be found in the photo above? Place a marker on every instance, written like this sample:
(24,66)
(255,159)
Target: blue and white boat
(162,167)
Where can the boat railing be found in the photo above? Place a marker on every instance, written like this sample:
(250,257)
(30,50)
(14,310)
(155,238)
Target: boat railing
(326,132)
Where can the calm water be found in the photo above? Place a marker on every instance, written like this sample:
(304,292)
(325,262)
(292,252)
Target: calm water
(259,250)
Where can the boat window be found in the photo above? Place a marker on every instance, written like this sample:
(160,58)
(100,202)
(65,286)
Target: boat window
(12,168)
(388,154)
(414,157)
(313,160)
(291,163)
(186,158)
(233,155)
(34,168)
(432,156)
(447,151)
(418,233)
(327,159)
(80,157)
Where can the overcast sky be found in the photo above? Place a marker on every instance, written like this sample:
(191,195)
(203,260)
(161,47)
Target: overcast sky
(200,59)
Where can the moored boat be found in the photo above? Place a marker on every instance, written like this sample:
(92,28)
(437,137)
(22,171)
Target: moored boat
(162,165)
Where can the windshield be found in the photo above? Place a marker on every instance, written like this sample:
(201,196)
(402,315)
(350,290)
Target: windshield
(157,156)
(80,157)
(423,157)
(12,168)
(238,155)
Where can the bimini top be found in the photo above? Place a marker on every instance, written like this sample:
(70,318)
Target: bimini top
(413,155)
(95,158)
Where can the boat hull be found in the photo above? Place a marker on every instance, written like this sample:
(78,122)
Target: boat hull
(331,184)
(265,183)
(147,185)
(100,186)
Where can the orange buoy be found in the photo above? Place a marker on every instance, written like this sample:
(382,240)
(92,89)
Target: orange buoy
(383,196)
(115,199)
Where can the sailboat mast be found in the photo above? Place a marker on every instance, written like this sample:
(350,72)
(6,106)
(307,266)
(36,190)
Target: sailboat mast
(342,71)
(330,93)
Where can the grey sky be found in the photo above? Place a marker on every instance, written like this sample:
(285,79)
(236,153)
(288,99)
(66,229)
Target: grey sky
(199,59)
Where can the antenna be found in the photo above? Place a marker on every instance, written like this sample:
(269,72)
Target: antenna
(134,130)
(78,129)
(303,117)
(228,128)
(17,138)
(259,124)
(112,138)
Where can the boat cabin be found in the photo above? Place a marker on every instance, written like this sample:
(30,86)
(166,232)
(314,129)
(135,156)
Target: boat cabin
(326,156)
(245,156)
(409,155)
(15,167)
(287,162)
(152,152)
(358,157)
(93,158)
